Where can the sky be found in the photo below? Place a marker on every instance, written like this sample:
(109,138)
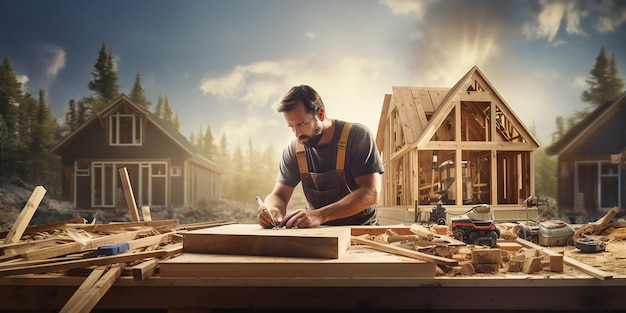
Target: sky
(226,64)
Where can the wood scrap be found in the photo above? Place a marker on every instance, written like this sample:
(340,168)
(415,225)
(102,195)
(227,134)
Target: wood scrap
(48,227)
(85,299)
(145,211)
(130,197)
(80,245)
(597,227)
(145,269)
(404,252)
(594,272)
(16,232)
(85,262)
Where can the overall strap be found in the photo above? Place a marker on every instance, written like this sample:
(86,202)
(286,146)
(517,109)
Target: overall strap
(341,146)
(301,155)
(341,151)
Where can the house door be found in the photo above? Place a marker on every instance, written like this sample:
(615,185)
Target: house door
(597,186)
(148,181)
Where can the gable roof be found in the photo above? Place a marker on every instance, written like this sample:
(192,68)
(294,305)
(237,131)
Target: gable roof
(160,124)
(415,102)
(587,126)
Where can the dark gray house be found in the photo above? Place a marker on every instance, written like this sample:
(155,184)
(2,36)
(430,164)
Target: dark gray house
(164,168)
(591,173)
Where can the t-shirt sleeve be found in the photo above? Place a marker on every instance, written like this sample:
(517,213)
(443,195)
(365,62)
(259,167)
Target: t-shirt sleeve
(364,156)
(288,171)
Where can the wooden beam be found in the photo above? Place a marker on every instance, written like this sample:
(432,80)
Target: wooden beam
(587,269)
(145,211)
(404,252)
(85,299)
(86,262)
(87,284)
(77,246)
(145,269)
(130,197)
(16,232)
(48,227)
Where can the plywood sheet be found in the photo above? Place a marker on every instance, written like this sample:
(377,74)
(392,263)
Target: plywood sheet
(251,239)
(358,261)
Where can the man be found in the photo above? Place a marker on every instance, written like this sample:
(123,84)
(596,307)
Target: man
(336,161)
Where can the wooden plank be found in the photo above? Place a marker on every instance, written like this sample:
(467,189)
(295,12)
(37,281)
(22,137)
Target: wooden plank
(16,232)
(75,247)
(358,261)
(405,252)
(130,197)
(47,227)
(87,284)
(199,225)
(86,262)
(585,268)
(145,211)
(145,270)
(378,230)
(87,299)
(119,226)
(252,239)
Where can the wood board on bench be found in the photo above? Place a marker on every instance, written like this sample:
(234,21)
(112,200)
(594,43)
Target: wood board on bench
(358,261)
(251,239)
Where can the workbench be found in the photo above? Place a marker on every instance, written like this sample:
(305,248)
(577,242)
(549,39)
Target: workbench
(515,291)
(360,279)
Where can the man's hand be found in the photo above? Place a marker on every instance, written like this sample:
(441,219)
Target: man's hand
(269,218)
(301,218)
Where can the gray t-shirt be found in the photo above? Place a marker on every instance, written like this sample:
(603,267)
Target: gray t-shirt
(362,157)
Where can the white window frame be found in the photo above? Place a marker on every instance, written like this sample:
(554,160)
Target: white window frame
(115,131)
(142,166)
(599,164)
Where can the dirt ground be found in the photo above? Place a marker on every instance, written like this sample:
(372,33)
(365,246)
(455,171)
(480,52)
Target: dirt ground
(612,260)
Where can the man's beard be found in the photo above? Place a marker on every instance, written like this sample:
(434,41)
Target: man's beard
(315,139)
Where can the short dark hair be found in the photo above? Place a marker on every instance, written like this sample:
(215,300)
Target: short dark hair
(309,97)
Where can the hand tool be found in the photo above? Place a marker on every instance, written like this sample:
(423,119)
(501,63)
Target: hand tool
(261,204)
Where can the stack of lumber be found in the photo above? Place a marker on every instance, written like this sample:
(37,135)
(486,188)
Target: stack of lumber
(106,251)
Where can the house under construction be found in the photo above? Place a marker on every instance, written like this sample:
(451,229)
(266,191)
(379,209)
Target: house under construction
(457,146)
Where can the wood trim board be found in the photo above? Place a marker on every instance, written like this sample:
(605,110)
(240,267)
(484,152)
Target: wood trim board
(358,261)
(251,239)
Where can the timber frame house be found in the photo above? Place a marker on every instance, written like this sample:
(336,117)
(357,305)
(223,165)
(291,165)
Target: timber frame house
(165,170)
(429,135)
(591,162)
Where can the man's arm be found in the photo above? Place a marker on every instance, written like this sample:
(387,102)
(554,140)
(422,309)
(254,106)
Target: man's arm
(364,196)
(276,204)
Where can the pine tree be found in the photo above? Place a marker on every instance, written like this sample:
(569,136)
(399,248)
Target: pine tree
(10,96)
(104,82)
(604,83)
(71,117)
(208,145)
(167,110)
(158,111)
(176,122)
(223,154)
(137,94)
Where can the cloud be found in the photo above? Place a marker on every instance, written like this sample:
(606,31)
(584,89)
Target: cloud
(23,79)
(580,82)
(452,38)
(406,7)
(613,15)
(350,88)
(53,57)
(310,35)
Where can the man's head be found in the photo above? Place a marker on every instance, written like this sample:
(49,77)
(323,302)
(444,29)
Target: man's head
(304,113)
(307,95)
